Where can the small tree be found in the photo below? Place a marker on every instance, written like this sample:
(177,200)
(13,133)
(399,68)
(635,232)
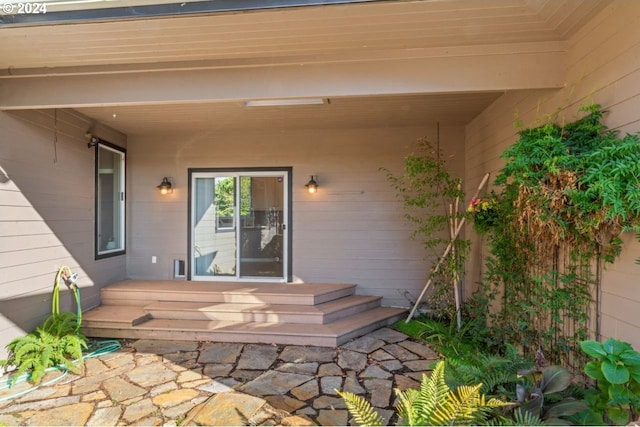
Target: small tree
(431,198)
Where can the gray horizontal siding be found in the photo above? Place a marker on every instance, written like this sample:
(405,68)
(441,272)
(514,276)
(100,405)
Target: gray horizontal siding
(46,217)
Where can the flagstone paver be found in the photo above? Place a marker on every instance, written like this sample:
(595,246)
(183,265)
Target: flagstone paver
(167,383)
(94,397)
(392,365)
(352,360)
(46,393)
(174,398)
(400,353)
(120,390)
(352,385)
(299,368)
(188,376)
(366,344)
(285,403)
(419,365)
(381,355)
(151,375)
(220,353)
(403,382)
(142,409)
(70,415)
(329,369)
(105,417)
(10,420)
(223,410)
(163,388)
(273,382)
(257,356)
(380,392)
(214,370)
(246,375)
(94,366)
(386,415)
(328,402)
(163,346)
(307,390)
(214,387)
(333,417)
(329,385)
(420,349)
(374,371)
(300,354)
(388,335)
(182,357)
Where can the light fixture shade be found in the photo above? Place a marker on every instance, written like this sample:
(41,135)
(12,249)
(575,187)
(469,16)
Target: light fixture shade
(284,102)
(312,185)
(165,186)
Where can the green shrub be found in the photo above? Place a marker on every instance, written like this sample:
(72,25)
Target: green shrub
(616,369)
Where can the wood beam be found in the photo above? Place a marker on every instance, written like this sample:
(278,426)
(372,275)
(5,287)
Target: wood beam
(481,72)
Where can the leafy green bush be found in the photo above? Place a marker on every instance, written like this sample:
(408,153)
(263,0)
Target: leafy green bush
(565,195)
(616,369)
(533,397)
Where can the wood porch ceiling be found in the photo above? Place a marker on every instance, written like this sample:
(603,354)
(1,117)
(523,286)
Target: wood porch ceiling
(296,33)
(388,63)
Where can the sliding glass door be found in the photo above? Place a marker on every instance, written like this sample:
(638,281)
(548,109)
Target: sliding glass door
(239,225)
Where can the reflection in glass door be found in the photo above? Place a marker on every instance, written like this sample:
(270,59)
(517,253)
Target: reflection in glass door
(238,225)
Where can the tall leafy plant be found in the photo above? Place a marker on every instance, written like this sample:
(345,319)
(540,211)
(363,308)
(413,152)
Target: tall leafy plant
(430,195)
(564,197)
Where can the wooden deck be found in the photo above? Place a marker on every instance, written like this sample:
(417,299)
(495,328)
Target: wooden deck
(306,314)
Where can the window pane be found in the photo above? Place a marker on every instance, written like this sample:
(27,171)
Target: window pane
(110,201)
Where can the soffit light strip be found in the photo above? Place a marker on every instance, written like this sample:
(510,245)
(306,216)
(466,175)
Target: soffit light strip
(284,102)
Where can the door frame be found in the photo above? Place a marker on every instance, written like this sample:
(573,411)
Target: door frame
(288,171)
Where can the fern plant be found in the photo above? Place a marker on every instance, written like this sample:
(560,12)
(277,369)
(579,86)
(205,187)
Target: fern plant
(361,410)
(41,350)
(497,373)
(433,404)
(56,342)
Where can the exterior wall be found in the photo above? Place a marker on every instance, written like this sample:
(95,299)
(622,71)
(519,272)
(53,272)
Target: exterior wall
(602,66)
(351,231)
(47,216)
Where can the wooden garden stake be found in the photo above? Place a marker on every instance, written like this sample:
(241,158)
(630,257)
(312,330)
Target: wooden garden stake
(436,268)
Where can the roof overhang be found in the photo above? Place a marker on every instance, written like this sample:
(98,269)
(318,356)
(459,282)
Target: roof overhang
(376,50)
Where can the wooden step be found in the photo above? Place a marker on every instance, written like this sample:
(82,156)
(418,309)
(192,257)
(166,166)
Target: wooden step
(106,316)
(329,335)
(270,313)
(144,292)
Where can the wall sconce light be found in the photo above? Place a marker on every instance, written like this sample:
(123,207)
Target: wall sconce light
(165,186)
(312,185)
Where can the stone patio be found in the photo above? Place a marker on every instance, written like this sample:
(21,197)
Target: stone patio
(172,383)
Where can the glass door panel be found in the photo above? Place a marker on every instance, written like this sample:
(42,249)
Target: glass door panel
(261,226)
(214,232)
